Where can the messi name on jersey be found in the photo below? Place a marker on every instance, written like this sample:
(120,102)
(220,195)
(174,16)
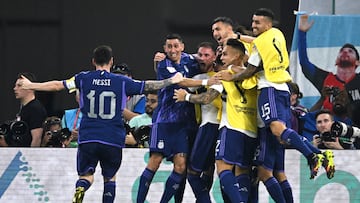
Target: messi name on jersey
(101,82)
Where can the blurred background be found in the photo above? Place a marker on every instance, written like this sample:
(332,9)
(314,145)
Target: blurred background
(54,39)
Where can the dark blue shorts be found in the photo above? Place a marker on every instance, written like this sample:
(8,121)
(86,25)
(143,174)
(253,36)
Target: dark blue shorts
(171,138)
(89,154)
(235,148)
(203,152)
(274,105)
(271,153)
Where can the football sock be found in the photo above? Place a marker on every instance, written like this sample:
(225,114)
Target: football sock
(144,184)
(230,186)
(287,191)
(171,186)
(274,189)
(109,192)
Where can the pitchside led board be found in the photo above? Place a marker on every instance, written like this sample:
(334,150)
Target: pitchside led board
(46,175)
(324,40)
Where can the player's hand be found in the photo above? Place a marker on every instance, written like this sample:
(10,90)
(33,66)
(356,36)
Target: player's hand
(224,75)
(304,23)
(179,95)
(25,83)
(159,57)
(178,77)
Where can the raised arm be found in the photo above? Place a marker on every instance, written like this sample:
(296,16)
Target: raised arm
(314,74)
(158,84)
(54,85)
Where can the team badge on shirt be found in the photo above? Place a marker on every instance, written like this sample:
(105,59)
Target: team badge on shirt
(160,144)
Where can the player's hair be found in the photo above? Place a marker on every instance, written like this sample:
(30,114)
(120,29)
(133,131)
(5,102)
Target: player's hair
(207,45)
(102,55)
(223,19)
(173,36)
(236,44)
(265,12)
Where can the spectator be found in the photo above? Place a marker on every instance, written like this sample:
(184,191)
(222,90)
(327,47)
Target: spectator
(101,133)
(297,110)
(328,83)
(135,105)
(71,120)
(54,135)
(31,112)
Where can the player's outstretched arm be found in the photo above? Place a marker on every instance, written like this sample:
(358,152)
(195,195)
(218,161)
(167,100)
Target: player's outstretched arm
(54,85)
(203,98)
(158,84)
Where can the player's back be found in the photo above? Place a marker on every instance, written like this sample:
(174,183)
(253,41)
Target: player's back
(102,99)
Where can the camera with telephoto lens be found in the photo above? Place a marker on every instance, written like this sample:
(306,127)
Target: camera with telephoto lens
(340,129)
(327,137)
(14,131)
(58,137)
(142,134)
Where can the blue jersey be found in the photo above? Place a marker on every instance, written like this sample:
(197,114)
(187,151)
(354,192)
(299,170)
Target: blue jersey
(168,110)
(102,100)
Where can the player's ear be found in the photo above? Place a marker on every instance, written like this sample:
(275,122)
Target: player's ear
(357,63)
(93,62)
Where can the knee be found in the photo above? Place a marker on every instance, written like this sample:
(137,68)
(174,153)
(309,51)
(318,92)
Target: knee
(264,174)
(277,127)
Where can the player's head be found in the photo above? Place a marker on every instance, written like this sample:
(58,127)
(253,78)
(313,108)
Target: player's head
(222,27)
(348,56)
(233,53)
(173,47)
(206,54)
(262,20)
(102,55)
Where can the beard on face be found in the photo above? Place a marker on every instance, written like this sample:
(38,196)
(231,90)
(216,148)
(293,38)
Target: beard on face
(345,63)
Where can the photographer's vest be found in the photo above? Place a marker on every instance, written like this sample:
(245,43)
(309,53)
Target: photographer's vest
(271,46)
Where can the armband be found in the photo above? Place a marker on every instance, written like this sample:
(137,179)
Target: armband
(204,82)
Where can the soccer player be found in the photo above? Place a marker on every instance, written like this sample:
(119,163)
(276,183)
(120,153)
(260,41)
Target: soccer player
(238,127)
(173,123)
(101,133)
(266,68)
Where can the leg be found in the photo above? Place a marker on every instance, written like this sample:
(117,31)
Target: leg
(271,184)
(82,184)
(176,177)
(109,190)
(285,186)
(147,176)
(228,180)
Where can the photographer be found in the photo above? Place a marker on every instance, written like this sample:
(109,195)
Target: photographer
(325,139)
(54,135)
(140,125)
(28,123)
